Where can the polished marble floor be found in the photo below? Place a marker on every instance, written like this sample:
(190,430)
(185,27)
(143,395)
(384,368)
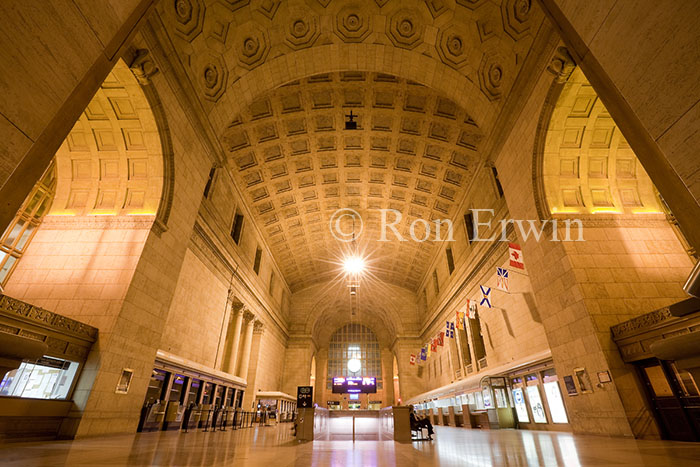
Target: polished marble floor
(275,446)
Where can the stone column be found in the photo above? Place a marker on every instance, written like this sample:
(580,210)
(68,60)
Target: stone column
(235,340)
(245,353)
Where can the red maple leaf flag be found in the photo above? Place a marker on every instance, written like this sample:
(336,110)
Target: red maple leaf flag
(413,359)
(441,339)
(516,256)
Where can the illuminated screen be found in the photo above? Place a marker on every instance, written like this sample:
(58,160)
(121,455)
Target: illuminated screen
(354,385)
(354,397)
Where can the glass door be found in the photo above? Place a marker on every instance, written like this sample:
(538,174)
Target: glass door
(666,396)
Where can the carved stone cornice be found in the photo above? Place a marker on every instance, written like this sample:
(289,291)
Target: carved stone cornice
(22,311)
(140,222)
(641,323)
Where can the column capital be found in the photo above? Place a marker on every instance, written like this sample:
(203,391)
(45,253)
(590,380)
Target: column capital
(258,326)
(248,315)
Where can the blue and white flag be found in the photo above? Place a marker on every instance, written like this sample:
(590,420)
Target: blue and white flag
(450,330)
(485,296)
(423,354)
(502,279)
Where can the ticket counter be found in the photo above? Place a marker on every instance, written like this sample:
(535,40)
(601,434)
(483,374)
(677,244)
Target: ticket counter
(183,395)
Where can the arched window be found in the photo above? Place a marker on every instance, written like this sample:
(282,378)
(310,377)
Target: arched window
(354,341)
(16,238)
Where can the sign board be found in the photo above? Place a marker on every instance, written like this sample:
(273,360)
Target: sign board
(305,396)
(354,385)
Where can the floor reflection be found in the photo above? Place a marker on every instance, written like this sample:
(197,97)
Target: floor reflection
(275,446)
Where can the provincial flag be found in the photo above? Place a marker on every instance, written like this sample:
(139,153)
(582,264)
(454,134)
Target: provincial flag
(423,354)
(441,339)
(471,309)
(502,279)
(433,345)
(450,330)
(485,296)
(429,348)
(516,256)
(413,359)
(460,319)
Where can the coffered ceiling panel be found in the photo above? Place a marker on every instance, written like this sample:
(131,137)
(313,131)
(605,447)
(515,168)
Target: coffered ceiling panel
(413,151)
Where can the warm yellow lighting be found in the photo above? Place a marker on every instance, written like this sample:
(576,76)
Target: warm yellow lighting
(605,211)
(354,265)
(642,211)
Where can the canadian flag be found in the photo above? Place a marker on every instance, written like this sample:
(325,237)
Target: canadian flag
(413,359)
(516,256)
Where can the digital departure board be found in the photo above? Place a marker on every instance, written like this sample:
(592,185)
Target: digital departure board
(354,385)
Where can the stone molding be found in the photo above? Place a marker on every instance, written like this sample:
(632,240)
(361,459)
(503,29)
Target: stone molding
(641,323)
(64,336)
(143,222)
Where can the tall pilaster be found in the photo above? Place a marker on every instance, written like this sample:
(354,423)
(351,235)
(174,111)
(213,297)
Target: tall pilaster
(235,326)
(247,341)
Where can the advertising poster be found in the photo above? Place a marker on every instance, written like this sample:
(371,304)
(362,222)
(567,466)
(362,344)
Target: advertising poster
(533,395)
(520,408)
(556,404)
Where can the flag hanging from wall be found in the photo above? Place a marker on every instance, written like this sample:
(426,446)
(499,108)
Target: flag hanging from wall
(502,279)
(423,354)
(516,256)
(433,345)
(485,296)
(460,319)
(471,309)
(450,330)
(429,348)
(413,359)
(441,339)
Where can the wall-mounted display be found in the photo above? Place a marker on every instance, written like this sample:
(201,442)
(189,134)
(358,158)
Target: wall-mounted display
(124,381)
(604,377)
(584,382)
(520,407)
(354,384)
(570,385)
(556,404)
(533,395)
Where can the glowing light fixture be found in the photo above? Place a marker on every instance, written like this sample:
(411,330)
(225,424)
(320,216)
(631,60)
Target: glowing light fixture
(354,265)
(354,365)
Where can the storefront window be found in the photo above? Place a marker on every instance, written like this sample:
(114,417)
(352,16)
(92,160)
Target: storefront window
(47,378)
(536,406)
(486,393)
(554,399)
(520,408)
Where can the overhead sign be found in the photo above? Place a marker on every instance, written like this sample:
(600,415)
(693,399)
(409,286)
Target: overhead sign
(354,385)
(305,396)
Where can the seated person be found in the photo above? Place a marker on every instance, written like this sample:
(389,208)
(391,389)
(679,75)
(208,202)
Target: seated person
(420,423)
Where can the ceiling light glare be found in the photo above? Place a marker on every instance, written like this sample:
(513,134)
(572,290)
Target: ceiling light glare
(354,265)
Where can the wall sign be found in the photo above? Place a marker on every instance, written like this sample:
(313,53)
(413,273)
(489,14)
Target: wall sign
(305,396)
(570,385)
(604,377)
(124,381)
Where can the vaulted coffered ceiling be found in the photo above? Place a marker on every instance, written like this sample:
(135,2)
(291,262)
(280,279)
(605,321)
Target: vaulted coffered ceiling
(414,151)
(277,78)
